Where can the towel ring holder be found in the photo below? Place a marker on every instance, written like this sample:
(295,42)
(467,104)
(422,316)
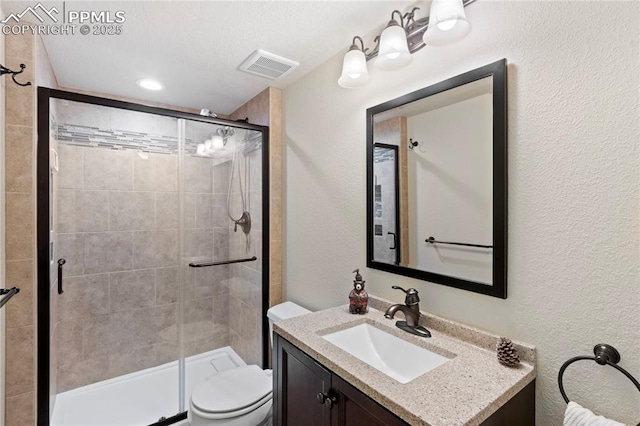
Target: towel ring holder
(604,355)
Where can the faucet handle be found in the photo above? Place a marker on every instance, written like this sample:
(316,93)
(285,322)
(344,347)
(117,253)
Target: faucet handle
(411,297)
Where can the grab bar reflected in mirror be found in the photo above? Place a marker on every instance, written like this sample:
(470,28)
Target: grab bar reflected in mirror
(432,240)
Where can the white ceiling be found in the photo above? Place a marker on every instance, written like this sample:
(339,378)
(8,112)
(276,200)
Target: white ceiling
(194,47)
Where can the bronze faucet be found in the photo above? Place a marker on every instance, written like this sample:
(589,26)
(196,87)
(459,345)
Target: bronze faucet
(411,310)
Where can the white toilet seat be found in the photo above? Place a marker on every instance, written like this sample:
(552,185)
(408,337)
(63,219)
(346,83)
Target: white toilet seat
(229,414)
(242,396)
(232,393)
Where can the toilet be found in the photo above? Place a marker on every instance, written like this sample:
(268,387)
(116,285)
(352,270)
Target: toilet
(241,396)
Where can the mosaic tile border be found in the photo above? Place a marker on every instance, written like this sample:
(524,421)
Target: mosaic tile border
(72,134)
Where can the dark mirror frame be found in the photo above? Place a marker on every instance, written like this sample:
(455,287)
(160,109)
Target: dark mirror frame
(498,288)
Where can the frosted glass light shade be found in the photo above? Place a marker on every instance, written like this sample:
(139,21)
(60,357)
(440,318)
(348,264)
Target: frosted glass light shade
(354,70)
(447,23)
(393,52)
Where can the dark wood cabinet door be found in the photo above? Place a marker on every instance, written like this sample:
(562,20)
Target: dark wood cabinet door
(354,408)
(519,410)
(298,380)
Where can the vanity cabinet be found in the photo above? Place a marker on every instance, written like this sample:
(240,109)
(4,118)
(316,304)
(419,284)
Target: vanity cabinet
(354,408)
(307,393)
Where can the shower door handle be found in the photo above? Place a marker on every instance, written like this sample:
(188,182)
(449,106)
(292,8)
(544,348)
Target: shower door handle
(394,240)
(60,263)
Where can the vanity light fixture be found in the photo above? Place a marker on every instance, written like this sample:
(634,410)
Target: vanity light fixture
(399,41)
(393,50)
(448,23)
(216,142)
(354,66)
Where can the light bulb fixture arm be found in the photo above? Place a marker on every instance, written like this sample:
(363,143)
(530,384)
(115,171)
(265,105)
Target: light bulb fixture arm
(373,52)
(354,46)
(394,22)
(415,29)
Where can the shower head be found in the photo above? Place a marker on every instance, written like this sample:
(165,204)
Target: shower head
(208,113)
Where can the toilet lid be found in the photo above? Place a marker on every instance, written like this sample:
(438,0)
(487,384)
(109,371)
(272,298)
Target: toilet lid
(232,390)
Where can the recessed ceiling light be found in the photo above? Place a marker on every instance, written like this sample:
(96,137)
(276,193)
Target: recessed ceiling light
(147,83)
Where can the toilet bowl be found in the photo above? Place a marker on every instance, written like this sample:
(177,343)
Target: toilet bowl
(241,396)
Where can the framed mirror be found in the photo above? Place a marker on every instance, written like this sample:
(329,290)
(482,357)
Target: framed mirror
(437,182)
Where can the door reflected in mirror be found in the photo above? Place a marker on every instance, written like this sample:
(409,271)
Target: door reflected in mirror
(437,182)
(386,204)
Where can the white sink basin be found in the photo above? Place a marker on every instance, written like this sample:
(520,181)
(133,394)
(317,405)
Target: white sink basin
(397,358)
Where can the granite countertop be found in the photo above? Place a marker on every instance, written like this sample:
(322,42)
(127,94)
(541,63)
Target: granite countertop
(466,390)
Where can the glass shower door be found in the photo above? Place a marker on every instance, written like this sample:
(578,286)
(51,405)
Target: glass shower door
(222,251)
(115,222)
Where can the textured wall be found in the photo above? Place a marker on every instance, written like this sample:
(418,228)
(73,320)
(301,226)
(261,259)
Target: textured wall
(450,177)
(573,189)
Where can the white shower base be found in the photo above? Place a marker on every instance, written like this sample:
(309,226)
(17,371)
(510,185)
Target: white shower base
(140,398)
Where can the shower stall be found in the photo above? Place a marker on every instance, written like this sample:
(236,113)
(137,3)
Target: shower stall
(152,257)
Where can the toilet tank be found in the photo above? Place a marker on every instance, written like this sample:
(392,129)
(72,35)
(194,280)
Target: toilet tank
(283,311)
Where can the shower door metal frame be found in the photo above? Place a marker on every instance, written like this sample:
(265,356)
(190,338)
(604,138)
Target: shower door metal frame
(43,201)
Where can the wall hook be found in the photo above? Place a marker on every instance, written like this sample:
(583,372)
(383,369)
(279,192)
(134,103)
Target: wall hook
(412,143)
(4,70)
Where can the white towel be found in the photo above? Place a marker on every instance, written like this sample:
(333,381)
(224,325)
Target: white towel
(576,415)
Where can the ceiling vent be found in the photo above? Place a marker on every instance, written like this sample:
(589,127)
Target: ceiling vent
(268,65)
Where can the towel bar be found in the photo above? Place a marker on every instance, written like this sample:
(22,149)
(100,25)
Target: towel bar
(432,240)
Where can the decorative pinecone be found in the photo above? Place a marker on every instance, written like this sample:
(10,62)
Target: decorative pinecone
(507,353)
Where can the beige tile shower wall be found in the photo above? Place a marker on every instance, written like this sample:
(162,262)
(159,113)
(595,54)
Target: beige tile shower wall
(109,318)
(206,313)
(245,285)
(266,109)
(20,134)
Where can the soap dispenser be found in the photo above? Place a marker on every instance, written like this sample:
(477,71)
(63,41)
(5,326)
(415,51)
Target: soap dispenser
(358,297)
